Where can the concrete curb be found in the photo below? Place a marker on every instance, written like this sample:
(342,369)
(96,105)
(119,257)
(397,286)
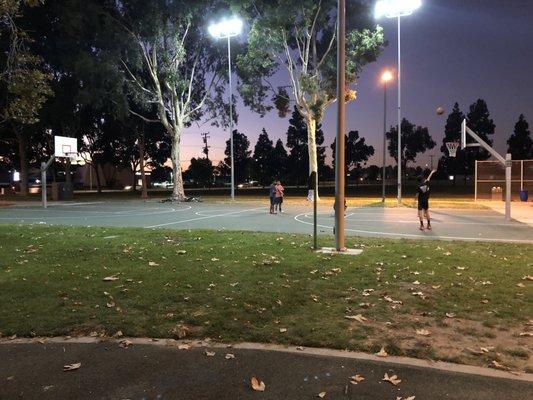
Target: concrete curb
(308,351)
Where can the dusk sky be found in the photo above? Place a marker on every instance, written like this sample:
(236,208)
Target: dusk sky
(452,50)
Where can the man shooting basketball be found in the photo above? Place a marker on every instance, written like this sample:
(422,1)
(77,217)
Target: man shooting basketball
(423,200)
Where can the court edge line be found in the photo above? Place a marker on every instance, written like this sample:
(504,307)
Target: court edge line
(413,236)
(206,217)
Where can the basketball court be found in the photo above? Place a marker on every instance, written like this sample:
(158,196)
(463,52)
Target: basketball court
(448,224)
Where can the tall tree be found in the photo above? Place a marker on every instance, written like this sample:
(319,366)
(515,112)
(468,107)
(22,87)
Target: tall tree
(415,140)
(24,81)
(300,36)
(356,151)
(520,143)
(241,156)
(263,159)
(181,69)
(478,119)
(453,166)
(201,171)
(279,161)
(297,140)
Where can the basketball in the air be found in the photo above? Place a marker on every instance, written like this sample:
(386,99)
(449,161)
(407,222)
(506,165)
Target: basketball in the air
(440,110)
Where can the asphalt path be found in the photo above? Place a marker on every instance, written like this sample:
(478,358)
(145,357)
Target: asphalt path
(34,371)
(448,224)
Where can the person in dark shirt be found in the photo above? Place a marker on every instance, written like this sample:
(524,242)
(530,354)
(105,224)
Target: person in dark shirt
(272,195)
(423,200)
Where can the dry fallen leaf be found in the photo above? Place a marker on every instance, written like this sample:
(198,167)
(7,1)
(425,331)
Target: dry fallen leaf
(450,315)
(354,380)
(524,334)
(382,353)
(125,343)
(322,395)
(183,347)
(209,353)
(422,332)
(230,356)
(358,317)
(392,379)
(181,252)
(283,330)
(71,367)
(257,385)
(110,278)
(497,365)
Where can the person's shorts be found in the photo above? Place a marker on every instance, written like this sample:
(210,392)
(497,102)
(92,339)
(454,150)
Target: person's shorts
(279,200)
(423,205)
(272,200)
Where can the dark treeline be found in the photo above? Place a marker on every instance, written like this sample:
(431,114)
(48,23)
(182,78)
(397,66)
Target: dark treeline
(125,78)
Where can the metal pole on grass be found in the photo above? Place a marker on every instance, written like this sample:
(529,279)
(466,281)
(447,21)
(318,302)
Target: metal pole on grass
(43,184)
(231,122)
(508,165)
(384,140)
(341,105)
(399,117)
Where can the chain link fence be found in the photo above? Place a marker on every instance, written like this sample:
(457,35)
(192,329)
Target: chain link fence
(490,180)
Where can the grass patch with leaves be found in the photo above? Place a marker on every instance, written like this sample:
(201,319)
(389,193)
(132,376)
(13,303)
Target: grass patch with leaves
(422,298)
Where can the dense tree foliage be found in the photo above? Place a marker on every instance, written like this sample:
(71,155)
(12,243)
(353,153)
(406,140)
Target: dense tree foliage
(300,38)
(520,143)
(415,140)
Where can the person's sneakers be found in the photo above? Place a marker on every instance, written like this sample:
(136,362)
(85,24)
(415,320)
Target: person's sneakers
(428,227)
(421,227)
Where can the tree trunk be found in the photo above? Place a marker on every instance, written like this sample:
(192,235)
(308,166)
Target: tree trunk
(98,183)
(144,188)
(134,181)
(23,158)
(312,151)
(178,194)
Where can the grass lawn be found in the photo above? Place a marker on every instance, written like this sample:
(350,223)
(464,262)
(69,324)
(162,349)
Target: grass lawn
(457,301)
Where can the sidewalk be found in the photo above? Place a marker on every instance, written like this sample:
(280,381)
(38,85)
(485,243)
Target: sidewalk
(150,371)
(520,211)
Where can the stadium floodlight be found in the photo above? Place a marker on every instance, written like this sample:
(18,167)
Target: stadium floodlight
(226,29)
(397,9)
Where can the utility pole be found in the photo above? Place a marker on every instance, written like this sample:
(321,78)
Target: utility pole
(431,161)
(341,106)
(206,147)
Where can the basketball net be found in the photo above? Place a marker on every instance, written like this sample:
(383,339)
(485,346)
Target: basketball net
(452,148)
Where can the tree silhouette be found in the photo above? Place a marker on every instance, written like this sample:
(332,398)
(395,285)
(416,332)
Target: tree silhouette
(200,171)
(279,161)
(415,140)
(452,133)
(520,143)
(263,169)
(241,156)
(298,160)
(356,151)
(478,119)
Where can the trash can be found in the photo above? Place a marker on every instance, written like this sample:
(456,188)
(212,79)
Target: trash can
(523,195)
(62,191)
(496,193)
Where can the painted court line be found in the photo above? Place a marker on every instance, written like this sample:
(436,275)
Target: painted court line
(411,235)
(205,217)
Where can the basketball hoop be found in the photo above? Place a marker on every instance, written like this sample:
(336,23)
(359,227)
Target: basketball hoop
(452,148)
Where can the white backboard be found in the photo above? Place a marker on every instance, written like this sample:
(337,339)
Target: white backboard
(65,146)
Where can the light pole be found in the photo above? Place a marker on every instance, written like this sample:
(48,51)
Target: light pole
(397,9)
(226,29)
(385,77)
(341,109)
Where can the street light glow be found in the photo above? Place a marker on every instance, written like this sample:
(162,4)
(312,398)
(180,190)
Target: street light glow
(228,27)
(395,8)
(387,76)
